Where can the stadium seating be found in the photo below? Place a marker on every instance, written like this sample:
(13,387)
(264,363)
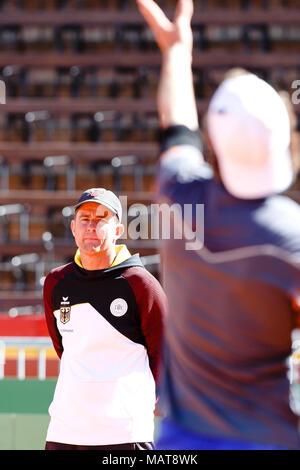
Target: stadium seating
(81,78)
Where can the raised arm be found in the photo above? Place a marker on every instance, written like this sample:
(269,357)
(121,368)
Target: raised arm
(175,98)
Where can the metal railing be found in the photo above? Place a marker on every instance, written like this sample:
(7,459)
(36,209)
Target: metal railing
(22,344)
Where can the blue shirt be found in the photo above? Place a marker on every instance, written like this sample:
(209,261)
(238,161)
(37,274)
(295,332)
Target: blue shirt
(233,304)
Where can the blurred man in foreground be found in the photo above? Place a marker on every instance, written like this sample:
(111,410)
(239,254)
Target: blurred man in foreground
(234,302)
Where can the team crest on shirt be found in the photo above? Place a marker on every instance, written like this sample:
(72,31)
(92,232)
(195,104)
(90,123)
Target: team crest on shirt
(65,310)
(118,307)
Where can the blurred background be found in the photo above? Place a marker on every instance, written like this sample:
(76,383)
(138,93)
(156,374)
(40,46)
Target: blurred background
(81,79)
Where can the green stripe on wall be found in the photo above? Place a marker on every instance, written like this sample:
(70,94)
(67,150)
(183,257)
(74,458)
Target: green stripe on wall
(23,431)
(26,396)
(24,415)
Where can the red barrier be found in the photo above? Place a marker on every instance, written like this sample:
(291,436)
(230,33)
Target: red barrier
(29,325)
(31,367)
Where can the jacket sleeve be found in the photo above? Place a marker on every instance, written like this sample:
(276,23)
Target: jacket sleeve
(49,284)
(152,307)
(181,163)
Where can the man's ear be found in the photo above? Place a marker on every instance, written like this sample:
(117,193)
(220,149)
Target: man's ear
(119,230)
(73,227)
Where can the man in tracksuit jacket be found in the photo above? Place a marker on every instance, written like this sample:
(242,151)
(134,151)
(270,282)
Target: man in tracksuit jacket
(104,313)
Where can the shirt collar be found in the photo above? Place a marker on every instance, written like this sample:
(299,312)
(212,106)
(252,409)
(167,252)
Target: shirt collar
(122,254)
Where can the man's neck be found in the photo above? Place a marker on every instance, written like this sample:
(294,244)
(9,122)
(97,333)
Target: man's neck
(101,260)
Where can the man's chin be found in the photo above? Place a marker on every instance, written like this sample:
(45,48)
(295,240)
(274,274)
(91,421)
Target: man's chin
(92,246)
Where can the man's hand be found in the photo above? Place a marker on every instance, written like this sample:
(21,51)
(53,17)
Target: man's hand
(175,96)
(168,34)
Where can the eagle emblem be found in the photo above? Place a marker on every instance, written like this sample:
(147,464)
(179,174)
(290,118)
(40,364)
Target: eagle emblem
(65,310)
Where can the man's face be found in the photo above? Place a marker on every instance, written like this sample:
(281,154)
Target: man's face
(95,228)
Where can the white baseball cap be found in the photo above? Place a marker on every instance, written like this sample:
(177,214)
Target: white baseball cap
(101,196)
(249,128)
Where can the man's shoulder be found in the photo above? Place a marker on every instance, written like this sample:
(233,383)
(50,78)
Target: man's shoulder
(282,214)
(58,273)
(140,279)
(138,274)
(148,291)
(285,201)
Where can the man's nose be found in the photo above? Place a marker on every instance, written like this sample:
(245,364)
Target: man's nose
(92,225)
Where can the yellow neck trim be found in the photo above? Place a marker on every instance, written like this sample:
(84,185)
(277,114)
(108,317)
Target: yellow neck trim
(122,254)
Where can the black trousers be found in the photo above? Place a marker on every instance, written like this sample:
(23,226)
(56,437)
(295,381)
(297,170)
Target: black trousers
(128,446)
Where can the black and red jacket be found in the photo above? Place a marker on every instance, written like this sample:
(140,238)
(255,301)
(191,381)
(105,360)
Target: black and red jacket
(106,326)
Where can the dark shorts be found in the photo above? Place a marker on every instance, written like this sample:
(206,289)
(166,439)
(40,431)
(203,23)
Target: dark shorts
(128,446)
